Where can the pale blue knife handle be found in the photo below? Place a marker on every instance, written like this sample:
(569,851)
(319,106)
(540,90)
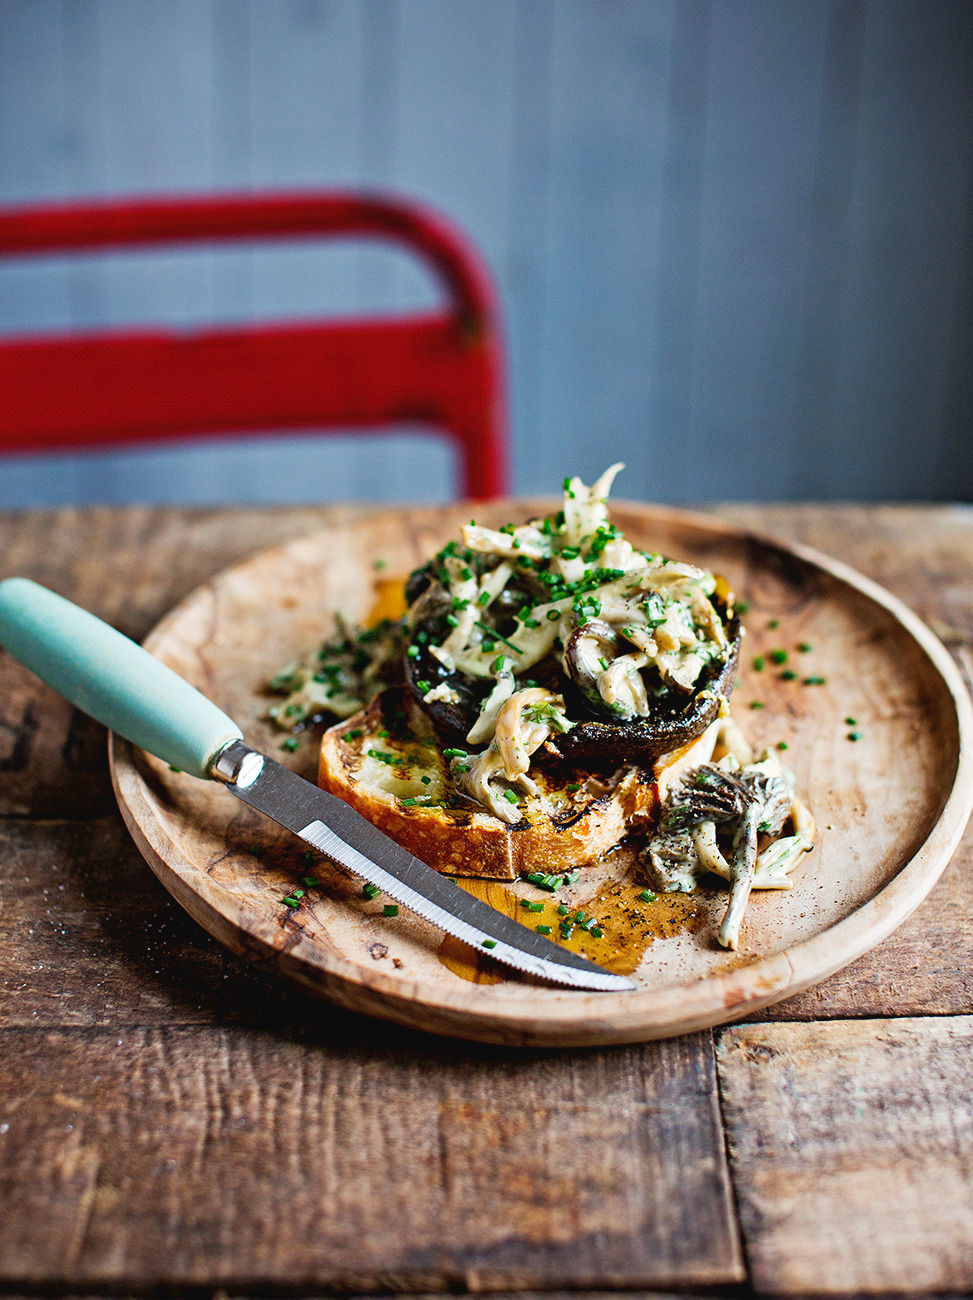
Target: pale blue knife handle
(111,678)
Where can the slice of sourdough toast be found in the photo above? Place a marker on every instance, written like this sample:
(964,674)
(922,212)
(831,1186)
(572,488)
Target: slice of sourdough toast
(385,761)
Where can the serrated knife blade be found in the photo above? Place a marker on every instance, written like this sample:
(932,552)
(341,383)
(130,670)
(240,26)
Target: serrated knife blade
(342,834)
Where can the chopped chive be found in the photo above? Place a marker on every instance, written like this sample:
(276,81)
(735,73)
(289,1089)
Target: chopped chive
(510,796)
(553,615)
(291,901)
(311,881)
(370,891)
(850,722)
(410,802)
(355,734)
(788,675)
(596,932)
(489,943)
(390,909)
(483,599)
(424,686)
(742,607)
(647,896)
(497,637)
(758,663)
(528,906)
(379,564)
(562,910)
(779,656)
(308,855)
(814,681)
(804,647)
(756,704)
(455,753)
(854,735)
(774,622)
(426,780)
(290,744)
(543,929)
(575,785)
(571,877)
(535,877)
(782,744)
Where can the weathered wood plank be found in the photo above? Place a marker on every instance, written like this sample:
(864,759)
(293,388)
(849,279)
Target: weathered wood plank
(851,1148)
(88,936)
(380,1159)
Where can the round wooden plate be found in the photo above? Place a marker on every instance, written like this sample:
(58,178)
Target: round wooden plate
(890,805)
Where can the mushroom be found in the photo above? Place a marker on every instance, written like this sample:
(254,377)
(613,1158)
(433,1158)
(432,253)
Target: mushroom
(708,795)
(523,724)
(754,801)
(588,653)
(672,861)
(673,719)
(623,689)
(768,809)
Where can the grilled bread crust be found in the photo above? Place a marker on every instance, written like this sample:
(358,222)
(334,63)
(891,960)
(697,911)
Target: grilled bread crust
(385,762)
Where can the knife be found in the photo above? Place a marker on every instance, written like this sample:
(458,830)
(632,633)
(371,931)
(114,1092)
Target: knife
(121,685)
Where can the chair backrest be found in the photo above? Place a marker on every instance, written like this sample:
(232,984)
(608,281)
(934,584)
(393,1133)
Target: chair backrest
(440,368)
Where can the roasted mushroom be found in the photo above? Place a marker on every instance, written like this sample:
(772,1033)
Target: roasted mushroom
(590,650)
(673,720)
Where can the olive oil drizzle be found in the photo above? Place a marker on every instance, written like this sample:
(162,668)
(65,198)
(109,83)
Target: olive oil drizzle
(629,924)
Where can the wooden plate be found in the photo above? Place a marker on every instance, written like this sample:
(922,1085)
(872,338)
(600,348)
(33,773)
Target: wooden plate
(890,805)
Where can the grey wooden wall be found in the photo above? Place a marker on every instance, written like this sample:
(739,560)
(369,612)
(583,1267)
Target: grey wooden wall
(732,237)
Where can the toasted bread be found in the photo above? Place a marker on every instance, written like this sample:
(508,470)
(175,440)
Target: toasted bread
(385,762)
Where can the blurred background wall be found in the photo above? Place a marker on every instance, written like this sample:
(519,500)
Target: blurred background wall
(732,238)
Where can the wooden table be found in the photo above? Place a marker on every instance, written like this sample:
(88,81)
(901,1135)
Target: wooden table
(172,1120)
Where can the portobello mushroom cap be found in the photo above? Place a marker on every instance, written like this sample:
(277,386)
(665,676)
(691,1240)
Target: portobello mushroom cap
(675,719)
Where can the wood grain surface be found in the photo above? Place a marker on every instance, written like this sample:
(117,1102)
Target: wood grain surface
(360,1164)
(172,1117)
(827,1122)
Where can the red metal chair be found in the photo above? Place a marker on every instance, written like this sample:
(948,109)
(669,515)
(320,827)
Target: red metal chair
(443,369)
